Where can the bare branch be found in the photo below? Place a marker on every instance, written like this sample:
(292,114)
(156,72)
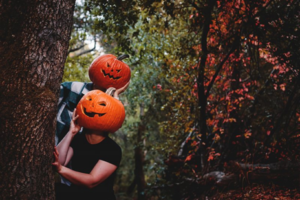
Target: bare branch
(76,49)
(89,50)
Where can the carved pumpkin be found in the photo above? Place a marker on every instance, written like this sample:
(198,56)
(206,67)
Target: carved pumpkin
(109,71)
(100,111)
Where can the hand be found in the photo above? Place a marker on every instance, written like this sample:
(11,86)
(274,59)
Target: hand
(56,163)
(74,127)
(120,90)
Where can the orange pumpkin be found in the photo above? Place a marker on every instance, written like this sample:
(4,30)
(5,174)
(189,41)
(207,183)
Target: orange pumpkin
(100,111)
(109,71)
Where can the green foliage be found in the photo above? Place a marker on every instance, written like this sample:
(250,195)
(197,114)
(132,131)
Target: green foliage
(249,81)
(76,68)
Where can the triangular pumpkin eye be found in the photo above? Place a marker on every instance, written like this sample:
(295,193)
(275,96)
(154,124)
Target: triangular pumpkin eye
(109,71)
(102,113)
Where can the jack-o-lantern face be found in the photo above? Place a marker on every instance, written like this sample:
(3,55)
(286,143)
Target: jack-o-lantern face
(100,111)
(109,71)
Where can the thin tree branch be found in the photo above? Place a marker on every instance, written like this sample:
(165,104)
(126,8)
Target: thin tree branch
(89,50)
(76,49)
(235,44)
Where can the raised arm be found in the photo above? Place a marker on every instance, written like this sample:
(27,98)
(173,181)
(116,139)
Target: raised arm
(121,90)
(116,92)
(63,148)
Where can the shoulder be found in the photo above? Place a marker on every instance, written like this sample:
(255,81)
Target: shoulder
(111,152)
(79,136)
(111,144)
(111,148)
(78,139)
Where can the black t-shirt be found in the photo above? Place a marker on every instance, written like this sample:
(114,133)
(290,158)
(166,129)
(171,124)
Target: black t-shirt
(86,156)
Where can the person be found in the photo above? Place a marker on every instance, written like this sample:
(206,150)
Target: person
(72,92)
(70,95)
(95,159)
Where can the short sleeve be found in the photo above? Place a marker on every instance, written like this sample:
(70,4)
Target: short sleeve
(76,141)
(113,154)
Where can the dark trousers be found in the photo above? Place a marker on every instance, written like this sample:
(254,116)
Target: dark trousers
(64,192)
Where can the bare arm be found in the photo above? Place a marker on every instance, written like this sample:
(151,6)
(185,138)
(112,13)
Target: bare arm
(121,90)
(116,92)
(101,171)
(63,148)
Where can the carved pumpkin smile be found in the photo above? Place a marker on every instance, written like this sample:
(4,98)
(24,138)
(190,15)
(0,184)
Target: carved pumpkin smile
(92,114)
(109,71)
(110,76)
(100,111)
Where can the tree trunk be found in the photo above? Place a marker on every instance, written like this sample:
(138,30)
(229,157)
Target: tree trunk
(202,98)
(139,177)
(233,145)
(139,164)
(34,39)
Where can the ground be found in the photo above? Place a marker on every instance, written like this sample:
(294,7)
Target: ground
(261,192)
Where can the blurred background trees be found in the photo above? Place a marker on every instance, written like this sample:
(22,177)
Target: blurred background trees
(213,83)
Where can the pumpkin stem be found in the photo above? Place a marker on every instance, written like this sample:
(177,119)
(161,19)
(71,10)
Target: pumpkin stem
(121,57)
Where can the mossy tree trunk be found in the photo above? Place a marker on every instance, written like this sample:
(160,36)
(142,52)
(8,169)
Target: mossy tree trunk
(34,38)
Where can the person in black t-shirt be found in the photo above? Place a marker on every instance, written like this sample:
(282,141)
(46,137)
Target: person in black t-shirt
(95,158)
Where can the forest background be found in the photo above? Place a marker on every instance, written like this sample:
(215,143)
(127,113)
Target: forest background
(212,110)
(213,84)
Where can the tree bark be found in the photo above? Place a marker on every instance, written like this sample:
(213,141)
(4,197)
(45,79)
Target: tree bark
(34,39)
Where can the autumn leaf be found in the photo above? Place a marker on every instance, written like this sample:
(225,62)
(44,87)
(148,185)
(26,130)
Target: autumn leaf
(188,158)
